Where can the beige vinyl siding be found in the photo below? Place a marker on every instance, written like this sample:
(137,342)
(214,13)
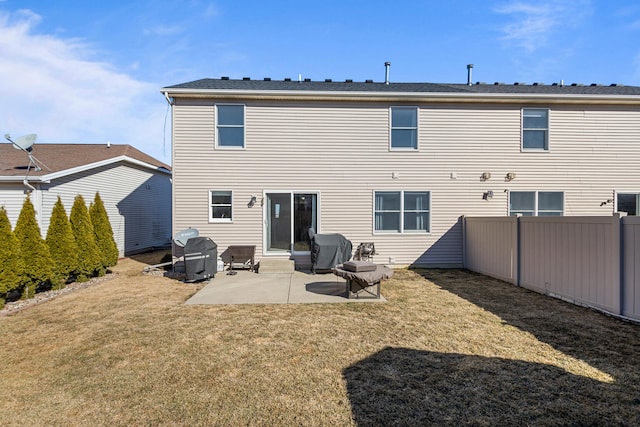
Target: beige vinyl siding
(342,151)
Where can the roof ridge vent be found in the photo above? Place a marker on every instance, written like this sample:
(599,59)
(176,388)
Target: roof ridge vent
(224,78)
(246,78)
(368,81)
(538,84)
(554,84)
(327,80)
(349,81)
(498,83)
(287,79)
(307,80)
(267,79)
(519,84)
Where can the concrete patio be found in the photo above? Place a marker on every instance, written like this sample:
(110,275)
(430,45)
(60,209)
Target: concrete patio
(294,287)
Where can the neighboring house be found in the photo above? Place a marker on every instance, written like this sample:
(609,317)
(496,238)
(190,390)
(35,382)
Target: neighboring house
(135,188)
(396,164)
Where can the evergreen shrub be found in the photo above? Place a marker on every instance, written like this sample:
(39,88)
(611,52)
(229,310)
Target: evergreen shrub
(11,265)
(62,245)
(103,232)
(33,251)
(89,260)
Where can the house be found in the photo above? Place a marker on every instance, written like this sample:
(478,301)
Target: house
(397,164)
(135,187)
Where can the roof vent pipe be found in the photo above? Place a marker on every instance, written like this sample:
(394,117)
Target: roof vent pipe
(387,66)
(469,68)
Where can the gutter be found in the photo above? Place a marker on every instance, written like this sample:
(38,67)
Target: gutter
(423,97)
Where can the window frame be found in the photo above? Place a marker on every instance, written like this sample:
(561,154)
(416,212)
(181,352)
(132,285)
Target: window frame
(636,195)
(416,128)
(536,203)
(212,205)
(524,129)
(402,212)
(218,126)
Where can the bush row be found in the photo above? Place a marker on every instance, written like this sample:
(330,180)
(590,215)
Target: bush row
(76,248)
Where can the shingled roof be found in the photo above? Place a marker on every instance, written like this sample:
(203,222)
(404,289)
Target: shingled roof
(58,158)
(328,85)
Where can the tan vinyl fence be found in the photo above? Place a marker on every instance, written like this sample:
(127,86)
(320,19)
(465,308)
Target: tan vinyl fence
(590,261)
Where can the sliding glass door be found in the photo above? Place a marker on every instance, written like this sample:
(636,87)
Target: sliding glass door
(288,218)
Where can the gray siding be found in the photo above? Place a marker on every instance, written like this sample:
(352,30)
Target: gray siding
(12,197)
(342,151)
(137,201)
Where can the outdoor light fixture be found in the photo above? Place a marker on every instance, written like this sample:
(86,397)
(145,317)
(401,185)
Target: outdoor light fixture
(252,202)
(485,176)
(510,176)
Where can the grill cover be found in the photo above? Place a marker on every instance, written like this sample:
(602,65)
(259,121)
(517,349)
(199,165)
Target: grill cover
(200,259)
(329,250)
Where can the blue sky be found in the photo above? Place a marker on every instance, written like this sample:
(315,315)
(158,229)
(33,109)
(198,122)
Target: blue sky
(91,72)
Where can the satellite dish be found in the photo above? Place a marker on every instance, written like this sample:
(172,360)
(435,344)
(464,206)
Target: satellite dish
(181,237)
(24,143)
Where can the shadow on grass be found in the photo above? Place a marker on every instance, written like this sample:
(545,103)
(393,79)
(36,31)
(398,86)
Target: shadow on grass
(401,386)
(600,340)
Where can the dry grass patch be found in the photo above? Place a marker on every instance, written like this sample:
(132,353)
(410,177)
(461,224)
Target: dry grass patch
(449,347)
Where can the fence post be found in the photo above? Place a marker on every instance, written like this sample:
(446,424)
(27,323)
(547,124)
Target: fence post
(518,247)
(616,259)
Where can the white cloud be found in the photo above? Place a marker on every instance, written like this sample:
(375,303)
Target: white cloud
(164,30)
(534,23)
(56,88)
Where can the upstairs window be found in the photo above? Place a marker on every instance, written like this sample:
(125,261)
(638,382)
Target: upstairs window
(536,203)
(220,206)
(230,126)
(535,129)
(404,128)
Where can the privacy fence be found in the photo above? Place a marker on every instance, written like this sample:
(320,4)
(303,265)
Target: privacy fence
(590,261)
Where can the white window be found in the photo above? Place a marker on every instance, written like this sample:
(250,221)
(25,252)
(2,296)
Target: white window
(535,129)
(536,203)
(220,206)
(628,202)
(402,211)
(404,128)
(230,126)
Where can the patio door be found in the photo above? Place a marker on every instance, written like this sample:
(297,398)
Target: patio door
(288,217)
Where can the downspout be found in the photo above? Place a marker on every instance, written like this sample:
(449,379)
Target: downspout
(166,95)
(31,188)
